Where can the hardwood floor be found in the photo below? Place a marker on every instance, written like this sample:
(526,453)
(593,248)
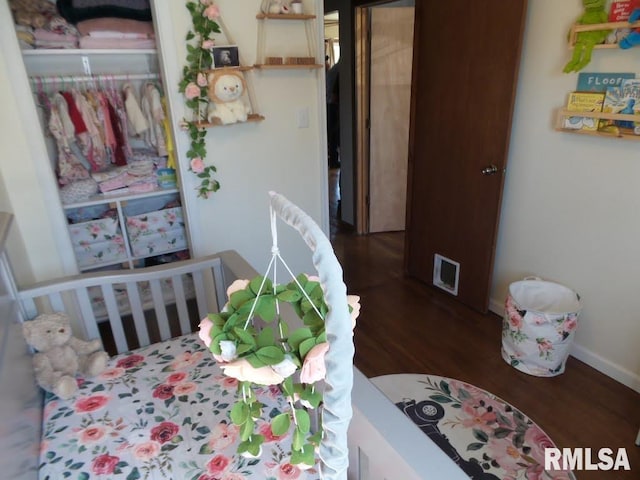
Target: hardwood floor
(407,327)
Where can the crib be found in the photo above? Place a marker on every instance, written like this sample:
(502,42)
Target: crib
(160,410)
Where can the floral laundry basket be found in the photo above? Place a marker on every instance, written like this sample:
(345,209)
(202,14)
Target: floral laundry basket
(540,321)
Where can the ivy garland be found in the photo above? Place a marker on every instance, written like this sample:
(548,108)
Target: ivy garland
(194,87)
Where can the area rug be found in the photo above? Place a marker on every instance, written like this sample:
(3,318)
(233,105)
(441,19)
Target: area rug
(487,437)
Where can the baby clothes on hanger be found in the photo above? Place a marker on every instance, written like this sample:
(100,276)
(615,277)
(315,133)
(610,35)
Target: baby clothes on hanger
(137,121)
(154,113)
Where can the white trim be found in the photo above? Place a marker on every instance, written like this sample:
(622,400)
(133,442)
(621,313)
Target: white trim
(607,367)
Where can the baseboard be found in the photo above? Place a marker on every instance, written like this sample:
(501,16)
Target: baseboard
(607,367)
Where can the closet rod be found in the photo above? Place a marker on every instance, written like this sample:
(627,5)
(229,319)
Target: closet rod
(93,78)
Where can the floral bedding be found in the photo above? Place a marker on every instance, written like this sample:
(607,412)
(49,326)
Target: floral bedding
(160,412)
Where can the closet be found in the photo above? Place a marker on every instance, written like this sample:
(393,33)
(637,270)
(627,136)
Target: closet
(94,77)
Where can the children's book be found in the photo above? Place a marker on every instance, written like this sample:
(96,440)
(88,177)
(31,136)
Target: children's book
(620,11)
(624,99)
(584,102)
(600,81)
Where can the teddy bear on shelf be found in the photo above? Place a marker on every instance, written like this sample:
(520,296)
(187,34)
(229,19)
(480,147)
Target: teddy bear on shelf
(226,98)
(275,6)
(60,356)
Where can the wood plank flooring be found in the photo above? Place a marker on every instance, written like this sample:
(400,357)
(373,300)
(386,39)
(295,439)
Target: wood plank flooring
(407,327)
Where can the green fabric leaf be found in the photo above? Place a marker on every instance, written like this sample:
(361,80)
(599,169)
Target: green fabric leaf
(287,387)
(266,307)
(270,355)
(246,429)
(303,420)
(240,297)
(289,296)
(255,361)
(297,440)
(240,413)
(266,337)
(475,446)
(298,336)
(257,281)
(280,424)
(306,455)
(244,336)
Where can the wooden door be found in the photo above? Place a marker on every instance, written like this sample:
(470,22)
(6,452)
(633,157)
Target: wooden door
(391,49)
(466,59)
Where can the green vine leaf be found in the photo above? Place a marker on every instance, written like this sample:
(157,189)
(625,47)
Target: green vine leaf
(280,424)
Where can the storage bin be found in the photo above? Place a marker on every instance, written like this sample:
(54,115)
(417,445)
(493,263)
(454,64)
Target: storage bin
(540,321)
(156,232)
(100,252)
(93,231)
(159,242)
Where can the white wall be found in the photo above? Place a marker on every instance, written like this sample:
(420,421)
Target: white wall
(257,157)
(571,205)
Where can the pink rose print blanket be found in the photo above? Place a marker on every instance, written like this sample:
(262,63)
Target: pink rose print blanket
(159,413)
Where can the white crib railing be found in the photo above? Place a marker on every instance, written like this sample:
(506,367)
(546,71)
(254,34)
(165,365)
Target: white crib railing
(169,293)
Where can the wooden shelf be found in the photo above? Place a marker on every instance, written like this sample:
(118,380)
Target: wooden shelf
(577,28)
(241,68)
(285,66)
(262,57)
(284,16)
(253,117)
(622,133)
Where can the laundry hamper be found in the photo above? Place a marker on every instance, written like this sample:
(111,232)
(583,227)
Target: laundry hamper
(540,321)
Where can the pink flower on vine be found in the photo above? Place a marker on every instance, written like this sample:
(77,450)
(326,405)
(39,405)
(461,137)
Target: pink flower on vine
(211,12)
(192,91)
(208,44)
(197,165)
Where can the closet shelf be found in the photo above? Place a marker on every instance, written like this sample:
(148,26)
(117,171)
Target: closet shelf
(624,133)
(577,28)
(253,117)
(103,198)
(79,51)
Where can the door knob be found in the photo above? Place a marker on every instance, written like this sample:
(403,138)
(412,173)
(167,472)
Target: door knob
(490,170)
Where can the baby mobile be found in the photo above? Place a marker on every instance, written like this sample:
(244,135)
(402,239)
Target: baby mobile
(194,87)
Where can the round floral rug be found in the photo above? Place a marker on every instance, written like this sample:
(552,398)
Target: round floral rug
(487,437)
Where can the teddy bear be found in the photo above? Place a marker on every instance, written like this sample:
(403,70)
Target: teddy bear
(275,6)
(60,356)
(226,97)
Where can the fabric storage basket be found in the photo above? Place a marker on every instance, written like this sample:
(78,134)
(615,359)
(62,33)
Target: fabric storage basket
(156,232)
(540,321)
(101,252)
(93,231)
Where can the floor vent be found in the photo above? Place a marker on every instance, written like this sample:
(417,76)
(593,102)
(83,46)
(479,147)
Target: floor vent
(446,273)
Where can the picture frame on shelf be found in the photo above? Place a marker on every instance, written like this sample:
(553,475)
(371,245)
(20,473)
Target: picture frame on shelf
(224,56)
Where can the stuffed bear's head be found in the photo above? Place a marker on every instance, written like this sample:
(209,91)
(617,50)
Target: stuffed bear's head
(47,331)
(225,87)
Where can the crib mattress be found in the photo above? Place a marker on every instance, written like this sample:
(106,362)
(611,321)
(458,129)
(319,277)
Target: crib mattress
(159,412)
